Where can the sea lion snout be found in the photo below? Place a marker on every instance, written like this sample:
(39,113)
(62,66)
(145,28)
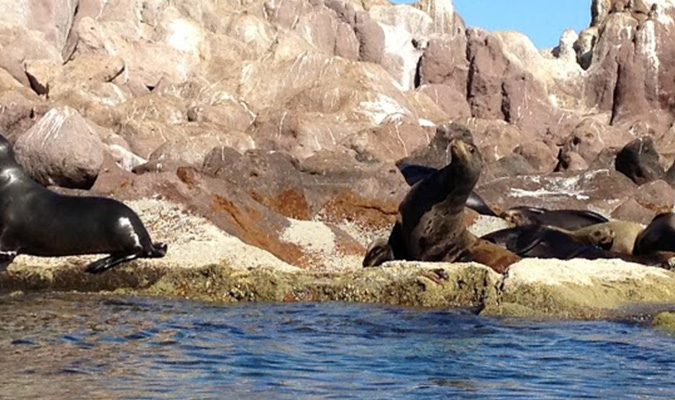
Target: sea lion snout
(458,148)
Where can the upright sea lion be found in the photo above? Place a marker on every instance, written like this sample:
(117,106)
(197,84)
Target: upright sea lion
(414,173)
(430,225)
(39,222)
(639,161)
(431,216)
(570,220)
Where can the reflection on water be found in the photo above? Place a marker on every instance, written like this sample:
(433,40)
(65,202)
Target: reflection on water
(84,346)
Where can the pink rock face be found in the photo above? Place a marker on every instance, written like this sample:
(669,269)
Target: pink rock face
(598,190)
(590,137)
(388,142)
(61,149)
(370,37)
(444,61)
(539,155)
(252,113)
(451,100)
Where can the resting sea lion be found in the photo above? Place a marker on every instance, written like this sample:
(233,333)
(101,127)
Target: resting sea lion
(378,252)
(542,242)
(570,220)
(659,235)
(616,236)
(39,222)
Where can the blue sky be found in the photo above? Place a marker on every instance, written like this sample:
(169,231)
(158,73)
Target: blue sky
(542,20)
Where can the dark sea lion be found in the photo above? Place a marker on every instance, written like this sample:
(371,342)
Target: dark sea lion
(570,220)
(39,222)
(430,225)
(659,235)
(639,161)
(431,216)
(414,173)
(542,242)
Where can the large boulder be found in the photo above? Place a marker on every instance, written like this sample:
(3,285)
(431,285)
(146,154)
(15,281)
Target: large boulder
(61,149)
(52,19)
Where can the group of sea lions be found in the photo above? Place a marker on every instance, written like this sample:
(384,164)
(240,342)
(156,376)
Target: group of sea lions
(430,224)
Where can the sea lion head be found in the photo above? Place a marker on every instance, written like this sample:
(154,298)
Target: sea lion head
(517,216)
(465,155)
(602,237)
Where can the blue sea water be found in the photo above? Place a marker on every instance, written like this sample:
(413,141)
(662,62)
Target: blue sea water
(69,346)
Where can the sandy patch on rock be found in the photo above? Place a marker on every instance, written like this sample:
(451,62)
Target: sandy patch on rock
(485,224)
(318,241)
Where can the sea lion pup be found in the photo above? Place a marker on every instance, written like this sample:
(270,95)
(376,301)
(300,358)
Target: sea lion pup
(659,235)
(414,173)
(570,220)
(39,222)
(616,236)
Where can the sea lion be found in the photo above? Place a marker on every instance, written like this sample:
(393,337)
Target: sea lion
(431,216)
(570,220)
(414,173)
(616,236)
(639,161)
(430,224)
(379,251)
(659,235)
(542,242)
(39,222)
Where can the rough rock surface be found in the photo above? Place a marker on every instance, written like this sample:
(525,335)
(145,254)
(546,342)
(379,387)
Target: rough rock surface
(278,125)
(61,149)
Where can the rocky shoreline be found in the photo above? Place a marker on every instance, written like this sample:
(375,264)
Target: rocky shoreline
(260,139)
(209,265)
(533,288)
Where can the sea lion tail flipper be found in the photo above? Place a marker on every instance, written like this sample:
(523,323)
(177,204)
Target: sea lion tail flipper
(106,263)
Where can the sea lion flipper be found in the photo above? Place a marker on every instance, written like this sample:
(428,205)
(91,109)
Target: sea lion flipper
(414,173)
(106,263)
(6,258)
(476,203)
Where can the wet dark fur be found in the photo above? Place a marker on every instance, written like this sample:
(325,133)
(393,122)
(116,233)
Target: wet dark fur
(37,221)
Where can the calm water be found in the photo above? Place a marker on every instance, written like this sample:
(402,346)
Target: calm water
(77,346)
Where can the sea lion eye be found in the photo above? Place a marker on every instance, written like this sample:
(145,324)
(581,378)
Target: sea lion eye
(472,149)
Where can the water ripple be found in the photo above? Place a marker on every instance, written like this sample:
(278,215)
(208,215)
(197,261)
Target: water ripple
(86,346)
